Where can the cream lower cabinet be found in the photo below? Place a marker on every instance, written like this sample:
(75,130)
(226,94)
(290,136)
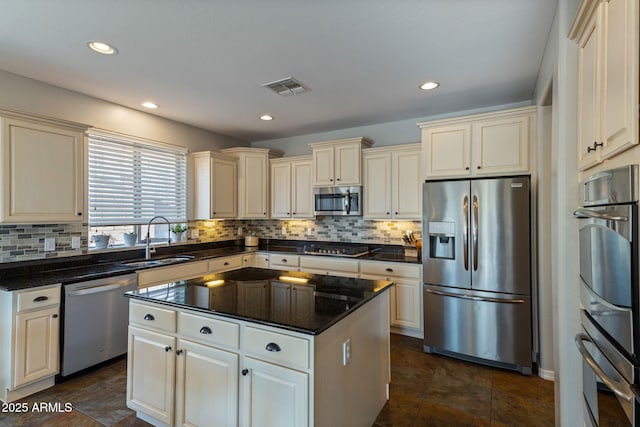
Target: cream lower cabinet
(406,294)
(159,275)
(42,166)
(334,266)
(29,341)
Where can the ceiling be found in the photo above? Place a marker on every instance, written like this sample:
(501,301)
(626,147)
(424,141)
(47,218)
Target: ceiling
(205,61)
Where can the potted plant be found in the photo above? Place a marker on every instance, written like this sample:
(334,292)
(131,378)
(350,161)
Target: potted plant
(130,238)
(177,232)
(101,240)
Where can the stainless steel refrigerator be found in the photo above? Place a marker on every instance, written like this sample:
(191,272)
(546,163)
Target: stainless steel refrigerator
(477,270)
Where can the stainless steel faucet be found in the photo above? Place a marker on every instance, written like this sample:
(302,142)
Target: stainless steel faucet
(149,249)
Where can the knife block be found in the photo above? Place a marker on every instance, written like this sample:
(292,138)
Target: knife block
(413,251)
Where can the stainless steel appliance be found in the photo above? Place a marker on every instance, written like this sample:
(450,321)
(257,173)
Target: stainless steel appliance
(477,270)
(337,200)
(96,316)
(609,295)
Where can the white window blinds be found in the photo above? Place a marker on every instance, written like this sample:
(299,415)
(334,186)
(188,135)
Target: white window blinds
(131,182)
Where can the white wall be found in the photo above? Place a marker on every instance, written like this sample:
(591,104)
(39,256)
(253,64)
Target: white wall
(32,96)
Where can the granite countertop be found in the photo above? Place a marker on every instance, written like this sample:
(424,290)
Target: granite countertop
(324,300)
(90,267)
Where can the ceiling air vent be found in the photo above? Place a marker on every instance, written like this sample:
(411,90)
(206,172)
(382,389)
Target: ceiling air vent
(287,87)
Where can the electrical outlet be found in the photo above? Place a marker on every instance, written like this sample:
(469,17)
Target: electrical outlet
(49,244)
(284,230)
(239,231)
(346,352)
(194,233)
(75,242)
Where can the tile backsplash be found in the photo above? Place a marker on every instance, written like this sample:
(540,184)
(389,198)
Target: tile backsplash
(26,242)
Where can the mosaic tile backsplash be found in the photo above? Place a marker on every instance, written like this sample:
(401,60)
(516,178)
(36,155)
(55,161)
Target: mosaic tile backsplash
(26,242)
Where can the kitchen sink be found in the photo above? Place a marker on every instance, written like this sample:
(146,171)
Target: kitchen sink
(160,261)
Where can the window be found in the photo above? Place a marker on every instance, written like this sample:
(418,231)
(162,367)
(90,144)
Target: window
(131,181)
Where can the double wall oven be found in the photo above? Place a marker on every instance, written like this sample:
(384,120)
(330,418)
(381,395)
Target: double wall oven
(609,297)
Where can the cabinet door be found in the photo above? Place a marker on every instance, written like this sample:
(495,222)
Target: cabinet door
(500,146)
(377,185)
(405,304)
(406,185)
(280,190)
(347,164)
(36,350)
(253,298)
(588,107)
(323,166)
(620,76)
(301,190)
(254,186)
(206,386)
(224,186)
(42,173)
(447,150)
(151,374)
(273,396)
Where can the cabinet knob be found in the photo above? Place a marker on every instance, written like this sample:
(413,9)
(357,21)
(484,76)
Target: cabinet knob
(467,168)
(284,260)
(294,213)
(244,372)
(388,213)
(55,316)
(205,330)
(288,213)
(215,213)
(167,349)
(226,263)
(149,317)
(273,347)
(479,167)
(337,179)
(396,213)
(79,213)
(330,179)
(178,352)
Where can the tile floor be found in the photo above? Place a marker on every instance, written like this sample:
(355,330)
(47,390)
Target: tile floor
(426,390)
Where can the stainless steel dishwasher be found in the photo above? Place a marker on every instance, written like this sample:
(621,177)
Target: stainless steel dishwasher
(96,316)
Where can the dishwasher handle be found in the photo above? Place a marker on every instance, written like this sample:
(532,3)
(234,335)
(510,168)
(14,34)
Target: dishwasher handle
(97,289)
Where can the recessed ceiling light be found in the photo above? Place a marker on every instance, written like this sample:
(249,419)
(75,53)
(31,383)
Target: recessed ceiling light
(149,104)
(266,117)
(429,85)
(101,47)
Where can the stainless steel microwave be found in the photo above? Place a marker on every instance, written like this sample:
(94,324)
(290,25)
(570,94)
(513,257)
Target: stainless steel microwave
(337,200)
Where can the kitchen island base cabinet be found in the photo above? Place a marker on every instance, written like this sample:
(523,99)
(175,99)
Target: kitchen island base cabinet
(306,382)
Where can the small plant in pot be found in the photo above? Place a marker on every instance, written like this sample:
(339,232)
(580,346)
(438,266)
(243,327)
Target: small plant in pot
(101,241)
(130,238)
(177,232)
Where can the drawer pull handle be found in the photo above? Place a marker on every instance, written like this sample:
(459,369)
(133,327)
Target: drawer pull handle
(245,372)
(273,347)
(205,330)
(167,349)
(149,317)
(40,299)
(390,270)
(284,260)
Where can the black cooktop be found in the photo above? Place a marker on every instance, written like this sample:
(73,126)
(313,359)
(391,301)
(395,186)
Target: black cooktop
(298,301)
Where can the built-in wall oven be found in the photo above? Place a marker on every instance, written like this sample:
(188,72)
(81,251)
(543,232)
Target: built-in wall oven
(609,297)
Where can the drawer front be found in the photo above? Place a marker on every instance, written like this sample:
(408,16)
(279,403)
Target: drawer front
(152,317)
(209,331)
(391,269)
(280,348)
(226,263)
(329,264)
(284,262)
(37,298)
(158,275)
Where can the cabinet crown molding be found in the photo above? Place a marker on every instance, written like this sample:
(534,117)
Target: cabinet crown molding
(39,119)
(236,151)
(292,159)
(489,115)
(397,147)
(583,15)
(364,142)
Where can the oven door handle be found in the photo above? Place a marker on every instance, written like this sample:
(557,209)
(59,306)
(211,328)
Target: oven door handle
(97,289)
(588,213)
(613,386)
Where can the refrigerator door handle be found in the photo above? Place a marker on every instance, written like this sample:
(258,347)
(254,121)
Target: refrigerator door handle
(476,298)
(475,233)
(465,233)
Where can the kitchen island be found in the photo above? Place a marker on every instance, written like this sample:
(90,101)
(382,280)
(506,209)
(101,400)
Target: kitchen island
(259,347)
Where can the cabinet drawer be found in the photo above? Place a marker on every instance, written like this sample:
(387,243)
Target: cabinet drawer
(152,317)
(37,298)
(157,275)
(328,265)
(286,262)
(392,269)
(226,263)
(208,331)
(283,349)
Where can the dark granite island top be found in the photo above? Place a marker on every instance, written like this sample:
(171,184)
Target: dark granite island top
(259,295)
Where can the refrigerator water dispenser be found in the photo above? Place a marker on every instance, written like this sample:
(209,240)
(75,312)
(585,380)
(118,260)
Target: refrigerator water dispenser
(442,240)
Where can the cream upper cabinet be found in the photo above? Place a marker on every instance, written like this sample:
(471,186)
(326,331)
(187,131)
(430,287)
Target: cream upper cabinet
(291,190)
(392,182)
(608,75)
(484,144)
(42,171)
(337,163)
(215,186)
(253,180)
